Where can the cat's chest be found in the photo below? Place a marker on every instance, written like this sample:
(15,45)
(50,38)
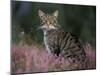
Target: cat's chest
(50,40)
(46,42)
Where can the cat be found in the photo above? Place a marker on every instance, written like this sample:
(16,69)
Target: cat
(59,42)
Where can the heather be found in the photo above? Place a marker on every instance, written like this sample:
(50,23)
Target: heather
(34,58)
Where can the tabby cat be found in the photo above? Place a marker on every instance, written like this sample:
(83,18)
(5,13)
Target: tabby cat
(59,42)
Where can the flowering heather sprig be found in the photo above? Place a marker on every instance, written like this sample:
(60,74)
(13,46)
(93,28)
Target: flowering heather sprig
(91,56)
(25,58)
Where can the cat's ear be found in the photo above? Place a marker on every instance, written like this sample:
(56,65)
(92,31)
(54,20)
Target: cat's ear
(55,13)
(41,13)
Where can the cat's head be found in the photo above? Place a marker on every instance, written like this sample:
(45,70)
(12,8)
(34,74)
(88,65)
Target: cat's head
(48,21)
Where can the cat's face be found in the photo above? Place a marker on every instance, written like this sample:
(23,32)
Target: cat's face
(48,21)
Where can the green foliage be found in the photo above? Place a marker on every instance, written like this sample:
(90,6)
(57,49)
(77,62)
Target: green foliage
(78,19)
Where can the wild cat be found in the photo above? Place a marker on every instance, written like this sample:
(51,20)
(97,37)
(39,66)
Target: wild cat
(59,42)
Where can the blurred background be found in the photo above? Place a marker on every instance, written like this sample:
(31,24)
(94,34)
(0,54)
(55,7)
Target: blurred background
(77,19)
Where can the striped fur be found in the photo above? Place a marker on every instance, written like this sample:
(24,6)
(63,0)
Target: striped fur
(59,42)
